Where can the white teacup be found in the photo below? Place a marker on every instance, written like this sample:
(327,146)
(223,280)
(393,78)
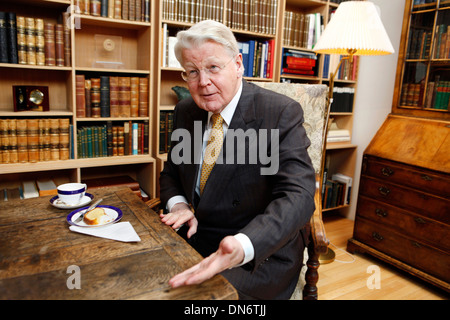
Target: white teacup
(71,193)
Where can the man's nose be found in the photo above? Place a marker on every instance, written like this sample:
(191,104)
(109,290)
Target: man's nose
(204,78)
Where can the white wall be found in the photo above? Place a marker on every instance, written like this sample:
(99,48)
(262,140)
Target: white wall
(375,89)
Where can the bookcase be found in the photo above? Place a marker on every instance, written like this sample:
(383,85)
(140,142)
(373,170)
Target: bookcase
(266,31)
(423,71)
(403,198)
(100,47)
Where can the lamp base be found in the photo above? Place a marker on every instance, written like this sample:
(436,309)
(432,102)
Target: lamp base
(327,257)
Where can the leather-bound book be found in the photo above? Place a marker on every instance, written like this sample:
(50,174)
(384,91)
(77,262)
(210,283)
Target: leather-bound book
(124,96)
(104,97)
(143,97)
(95,97)
(40,42)
(50,52)
(87,95)
(114,96)
(67,44)
(21,40)
(3,39)
(30,36)
(134,95)
(11,33)
(80,95)
(59,45)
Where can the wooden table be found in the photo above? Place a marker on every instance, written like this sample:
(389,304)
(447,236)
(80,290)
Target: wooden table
(37,249)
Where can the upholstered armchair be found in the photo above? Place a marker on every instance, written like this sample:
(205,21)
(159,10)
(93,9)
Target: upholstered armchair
(312,98)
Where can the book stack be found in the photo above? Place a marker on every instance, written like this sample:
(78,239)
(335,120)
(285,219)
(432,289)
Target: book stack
(165,130)
(342,99)
(192,11)
(257,58)
(111,96)
(254,16)
(339,135)
(134,10)
(34,140)
(28,40)
(108,140)
(298,62)
(337,191)
(302,30)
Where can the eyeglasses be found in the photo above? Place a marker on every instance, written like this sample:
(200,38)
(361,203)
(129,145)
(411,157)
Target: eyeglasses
(194,74)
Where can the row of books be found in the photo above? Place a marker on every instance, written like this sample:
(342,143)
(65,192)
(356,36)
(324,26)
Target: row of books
(442,42)
(437,95)
(257,58)
(302,30)
(347,71)
(254,16)
(419,44)
(165,130)
(48,186)
(111,96)
(27,40)
(134,10)
(192,11)
(336,188)
(34,140)
(342,99)
(298,62)
(108,140)
(33,188)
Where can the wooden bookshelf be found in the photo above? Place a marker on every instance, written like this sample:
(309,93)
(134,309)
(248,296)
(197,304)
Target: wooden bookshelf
(142,56)
(422,79)
(136,54)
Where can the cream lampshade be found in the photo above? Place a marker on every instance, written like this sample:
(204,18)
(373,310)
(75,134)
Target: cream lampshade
(354,29)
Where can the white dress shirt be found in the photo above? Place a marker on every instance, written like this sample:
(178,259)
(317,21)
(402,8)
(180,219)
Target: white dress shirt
(227,114)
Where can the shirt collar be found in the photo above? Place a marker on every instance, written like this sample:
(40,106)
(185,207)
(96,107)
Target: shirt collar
(228,112)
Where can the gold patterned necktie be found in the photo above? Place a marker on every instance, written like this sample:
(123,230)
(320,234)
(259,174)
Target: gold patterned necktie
(212,149)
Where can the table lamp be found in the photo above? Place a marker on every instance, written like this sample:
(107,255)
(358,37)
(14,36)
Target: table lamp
(354,29)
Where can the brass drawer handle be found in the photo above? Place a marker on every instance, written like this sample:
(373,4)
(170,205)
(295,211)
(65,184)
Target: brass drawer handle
(381,213)
(384,191)
(386,171)
(416,244)
(377,237)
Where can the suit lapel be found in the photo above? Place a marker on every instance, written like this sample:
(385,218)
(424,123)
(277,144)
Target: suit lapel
(196,125)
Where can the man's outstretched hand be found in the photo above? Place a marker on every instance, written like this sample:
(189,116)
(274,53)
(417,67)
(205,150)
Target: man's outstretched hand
(229,254)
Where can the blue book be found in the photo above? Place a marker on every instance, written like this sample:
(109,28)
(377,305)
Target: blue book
(251,56)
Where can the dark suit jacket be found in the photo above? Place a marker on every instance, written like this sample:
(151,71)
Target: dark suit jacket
(270,209)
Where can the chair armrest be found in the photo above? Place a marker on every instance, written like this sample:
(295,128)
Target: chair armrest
(318,234)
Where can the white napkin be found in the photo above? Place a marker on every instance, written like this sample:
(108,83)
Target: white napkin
(121,231)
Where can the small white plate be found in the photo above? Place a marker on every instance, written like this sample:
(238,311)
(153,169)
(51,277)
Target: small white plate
(87,198)
(115,214)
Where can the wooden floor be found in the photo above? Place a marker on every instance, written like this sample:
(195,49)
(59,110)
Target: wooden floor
(346,278)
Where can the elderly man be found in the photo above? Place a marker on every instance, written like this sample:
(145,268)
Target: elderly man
(244,214)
